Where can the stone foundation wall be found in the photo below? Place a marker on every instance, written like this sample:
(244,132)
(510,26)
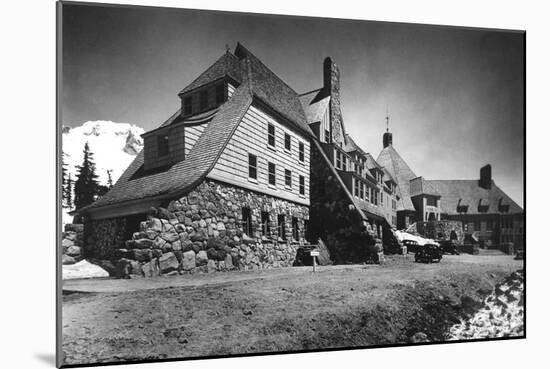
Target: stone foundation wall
(102,237)
(440,230)
(334,218)
(71,243)
(203,232)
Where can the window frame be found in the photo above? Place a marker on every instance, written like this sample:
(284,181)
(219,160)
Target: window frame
(271,136)
(271,175)
(301,152)
(252,167)
(281,227)
(288,139)
(302,185)
(288,178)
(220,94)
(247,221)
(165,145)
(203,100)
(188,105)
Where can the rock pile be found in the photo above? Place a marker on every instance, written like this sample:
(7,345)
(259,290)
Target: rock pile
(501,315)
(71,243)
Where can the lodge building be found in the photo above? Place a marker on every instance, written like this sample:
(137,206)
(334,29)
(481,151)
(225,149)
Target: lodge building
(246,171)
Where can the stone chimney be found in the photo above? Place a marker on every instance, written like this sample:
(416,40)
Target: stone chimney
(388,139)
(485,180)
(331,85)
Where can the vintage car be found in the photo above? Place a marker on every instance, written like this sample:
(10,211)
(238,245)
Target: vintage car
(412,246)
(429,253)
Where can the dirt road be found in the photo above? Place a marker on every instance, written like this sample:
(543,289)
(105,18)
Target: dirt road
(275,310)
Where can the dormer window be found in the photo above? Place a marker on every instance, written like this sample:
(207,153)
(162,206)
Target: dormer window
(187,106)
(203,100)
(220,94)
(162,142)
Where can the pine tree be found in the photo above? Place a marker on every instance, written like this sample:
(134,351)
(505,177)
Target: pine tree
(63,180)
(86,187)
(109,179)
(68,192)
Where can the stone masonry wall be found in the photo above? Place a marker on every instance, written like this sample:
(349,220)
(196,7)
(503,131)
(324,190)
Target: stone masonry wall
(203,232)
(440,230)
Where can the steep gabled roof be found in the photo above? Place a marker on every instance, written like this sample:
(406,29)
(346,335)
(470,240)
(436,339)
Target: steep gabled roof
(469,193)
(401,172)
(257,83)
(227,65)
(314,109)
(185,174)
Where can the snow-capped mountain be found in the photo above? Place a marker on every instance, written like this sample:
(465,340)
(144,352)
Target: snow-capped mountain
(114,146)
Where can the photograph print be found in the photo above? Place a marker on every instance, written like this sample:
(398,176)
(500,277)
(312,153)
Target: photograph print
(246,184)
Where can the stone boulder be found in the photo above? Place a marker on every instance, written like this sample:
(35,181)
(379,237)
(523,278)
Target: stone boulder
(65,243)
(142,254)
(201,258)
(168,262)
(151,269)
(189,260)
(67,260)
(73,251)
(144,243)
(211,266)
(228,262)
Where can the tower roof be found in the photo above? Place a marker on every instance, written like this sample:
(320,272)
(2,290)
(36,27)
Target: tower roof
(390,159)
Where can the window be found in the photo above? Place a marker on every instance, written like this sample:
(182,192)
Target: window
(163,147)
(477,225)
(288,178)
(252,166)
(307,230)
(327,136)
(220,94)
(204,100)
(338,159)
(362,190)
(247,221)
(295,229)
(381,198)
(301,151)
(271,173)
(266,227)
(344,162)
(356,187)
(302,185)
(187,105)
(393,204)
(271,135)
(287,142)
(281,227)
(367,194)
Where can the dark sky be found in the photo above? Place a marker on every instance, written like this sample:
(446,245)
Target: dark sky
(455,96)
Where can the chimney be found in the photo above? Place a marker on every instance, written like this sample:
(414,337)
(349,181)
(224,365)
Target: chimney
(485,179)
(331,85)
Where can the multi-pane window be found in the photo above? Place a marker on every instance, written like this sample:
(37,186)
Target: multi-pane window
(295,229)
(327,136)
(220,94)
(203,99)
(252,166)
(271,135)
(271,173)
(288,178)
(362,190)
(301,151)
(266,227)
(281,226)
(367,194)
(344,162)
(287,142)
(356,187)
(247,221)
(187,105)
(163,148)
(338,159)
(302,185)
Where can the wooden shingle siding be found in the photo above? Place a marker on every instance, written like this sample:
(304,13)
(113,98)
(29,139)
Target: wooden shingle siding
(192,134)
(230,90)
(251,137)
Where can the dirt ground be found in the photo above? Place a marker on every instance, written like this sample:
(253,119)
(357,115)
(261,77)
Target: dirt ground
(275,310)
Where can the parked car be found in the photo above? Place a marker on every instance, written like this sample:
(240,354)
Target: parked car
(412,246)
(428,253)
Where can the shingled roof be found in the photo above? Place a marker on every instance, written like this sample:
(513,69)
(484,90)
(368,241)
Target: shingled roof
(401,172)
(227,65)
(257,82)
(469,193)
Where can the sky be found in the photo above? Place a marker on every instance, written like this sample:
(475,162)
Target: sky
(455,96)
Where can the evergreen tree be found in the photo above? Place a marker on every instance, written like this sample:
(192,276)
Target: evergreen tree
(63,179)
(109,179)
(86,187)
(68,192)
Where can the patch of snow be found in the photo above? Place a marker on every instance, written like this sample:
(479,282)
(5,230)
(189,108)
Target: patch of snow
(83,269)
